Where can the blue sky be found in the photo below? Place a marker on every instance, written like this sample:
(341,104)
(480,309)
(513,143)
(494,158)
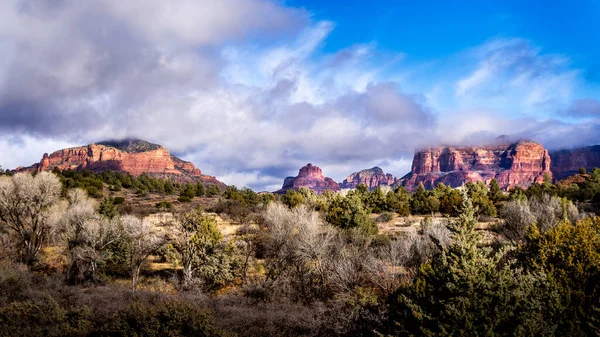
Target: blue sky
(431,29)
(251,90)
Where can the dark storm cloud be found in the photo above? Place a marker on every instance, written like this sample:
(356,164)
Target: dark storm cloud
(78,66)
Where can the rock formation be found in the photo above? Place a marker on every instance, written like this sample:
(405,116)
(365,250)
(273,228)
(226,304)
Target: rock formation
(519,164)
(133,156)
(311,177)
(567,162)
(372,178)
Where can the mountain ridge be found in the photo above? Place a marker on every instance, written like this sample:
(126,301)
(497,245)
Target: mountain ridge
(134,156)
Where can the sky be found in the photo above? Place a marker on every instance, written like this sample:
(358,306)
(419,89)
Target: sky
(251,90)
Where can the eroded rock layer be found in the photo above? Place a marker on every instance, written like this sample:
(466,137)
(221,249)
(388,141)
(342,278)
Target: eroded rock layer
(565,163)
(372,178)
(519,164)
(132,156)
(311,177)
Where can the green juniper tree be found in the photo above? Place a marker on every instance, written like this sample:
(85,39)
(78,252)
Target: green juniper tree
(466,291)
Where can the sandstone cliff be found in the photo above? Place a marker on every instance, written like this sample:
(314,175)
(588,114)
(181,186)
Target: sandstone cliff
(310,177)
(132,156)
(519,164)
(372,178)
(567,162)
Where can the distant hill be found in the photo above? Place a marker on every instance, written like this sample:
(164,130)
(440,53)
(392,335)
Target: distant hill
(132,145)
(519,164)
(568,162)
(134,156)
(311,177)
(372,178)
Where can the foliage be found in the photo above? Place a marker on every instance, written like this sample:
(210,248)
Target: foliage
(109,206)
(168,318)
(424,202)
(201,250)
(450,200)
(495,193)
(465,290)
(187,193)
(164,205)
(545,211)
(349,212)
(570,254)
(478,193)
(293,198)
(399,201)
(44,317)
(385,217)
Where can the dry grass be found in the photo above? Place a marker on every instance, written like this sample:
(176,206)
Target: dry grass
(399,225)
(145,205)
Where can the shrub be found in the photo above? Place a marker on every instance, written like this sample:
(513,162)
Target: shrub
(385,217)
(184,198)
(164,318)
(44,318)
(164,205)
(293,198)
(93,192)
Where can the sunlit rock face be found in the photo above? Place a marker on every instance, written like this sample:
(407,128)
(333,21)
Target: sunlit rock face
(568,162)
(311,177)
(372,178)
(518,164)
(128,156)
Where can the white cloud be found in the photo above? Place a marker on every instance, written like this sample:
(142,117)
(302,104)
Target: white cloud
(512,74)
(246,91)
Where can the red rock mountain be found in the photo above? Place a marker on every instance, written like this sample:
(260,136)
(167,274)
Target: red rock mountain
(372,178)
(131,155)
(519,164)
(567,162)
(309,176)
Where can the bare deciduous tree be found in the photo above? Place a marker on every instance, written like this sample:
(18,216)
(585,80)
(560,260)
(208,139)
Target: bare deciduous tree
(545,211)
(26,207)
(85,235)
(298,245)
(142,240)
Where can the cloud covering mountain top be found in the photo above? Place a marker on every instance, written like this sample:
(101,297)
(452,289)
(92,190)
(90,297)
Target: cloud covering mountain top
(248,91)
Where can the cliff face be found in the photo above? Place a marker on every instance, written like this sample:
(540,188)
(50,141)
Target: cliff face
(137,158)
(311,177)
(519,164)
(372,178)
(567,162)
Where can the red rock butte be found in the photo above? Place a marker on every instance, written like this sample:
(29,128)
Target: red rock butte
(373,177)
(519,164)
(129,156)
(311,177)
(566,163)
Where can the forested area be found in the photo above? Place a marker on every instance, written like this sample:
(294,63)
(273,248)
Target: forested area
(74,263)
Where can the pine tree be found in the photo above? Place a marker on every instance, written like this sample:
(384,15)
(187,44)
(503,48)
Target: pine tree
(495,192)
(466,291)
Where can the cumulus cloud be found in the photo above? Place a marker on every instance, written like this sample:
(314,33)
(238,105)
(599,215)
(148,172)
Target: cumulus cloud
(241,88)
(246,91)
(514,74)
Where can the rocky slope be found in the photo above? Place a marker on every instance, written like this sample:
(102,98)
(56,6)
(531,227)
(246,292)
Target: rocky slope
(372,178)
(309,176)
(518,164)
(134,156)
(567,162)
